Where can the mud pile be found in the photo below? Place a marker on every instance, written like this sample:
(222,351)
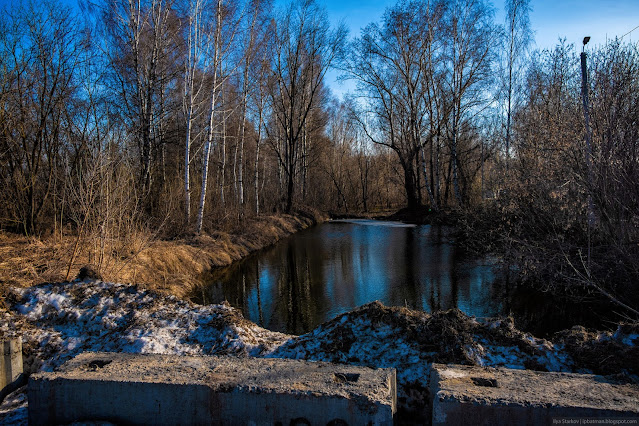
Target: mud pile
(58,321)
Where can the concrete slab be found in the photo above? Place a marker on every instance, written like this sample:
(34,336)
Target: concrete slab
(11,361)
(168,389)
(486,396)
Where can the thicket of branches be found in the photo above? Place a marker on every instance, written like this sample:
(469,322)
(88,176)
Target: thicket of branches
(186,115)
(545,215)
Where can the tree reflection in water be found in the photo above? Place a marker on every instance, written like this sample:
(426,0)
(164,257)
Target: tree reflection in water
(319,273)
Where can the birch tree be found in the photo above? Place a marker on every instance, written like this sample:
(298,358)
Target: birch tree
(193,87)
(225,25)
(254,30)
(215,66)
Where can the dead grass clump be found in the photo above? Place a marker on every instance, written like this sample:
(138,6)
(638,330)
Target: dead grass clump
(288,224)
(230,318)
(503,332)
(27,261)
(395,315)
(603,352)
(169,267)
(173,267)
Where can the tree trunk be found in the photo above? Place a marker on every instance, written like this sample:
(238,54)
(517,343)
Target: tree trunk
(431,198)
(257,156)
(242,132)
(453,153)
(410,186)
(209,140)
(187,164)
(193,58)
(223,163)
(289,191)
(257,168)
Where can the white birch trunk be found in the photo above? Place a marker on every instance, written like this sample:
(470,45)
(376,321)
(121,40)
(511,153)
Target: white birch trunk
(257,171)
(193,44)
(223,153)
(209,139)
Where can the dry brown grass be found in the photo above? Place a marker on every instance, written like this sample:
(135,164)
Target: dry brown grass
(25,261)
(173,267)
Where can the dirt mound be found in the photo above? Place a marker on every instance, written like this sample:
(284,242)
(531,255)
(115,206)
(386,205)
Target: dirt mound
(378,336)
(446,336)
(58,321)
(604,353)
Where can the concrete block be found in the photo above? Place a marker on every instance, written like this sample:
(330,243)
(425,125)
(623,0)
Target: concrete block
(11,361)
(171,390)
(486,396)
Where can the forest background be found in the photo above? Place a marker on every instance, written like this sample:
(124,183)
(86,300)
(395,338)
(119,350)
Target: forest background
(126,123)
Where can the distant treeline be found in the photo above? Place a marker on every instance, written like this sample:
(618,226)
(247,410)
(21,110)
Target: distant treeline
(186,115)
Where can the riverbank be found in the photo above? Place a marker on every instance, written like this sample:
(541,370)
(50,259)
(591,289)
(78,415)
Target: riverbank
(591,275)
(167,266)
(59,321)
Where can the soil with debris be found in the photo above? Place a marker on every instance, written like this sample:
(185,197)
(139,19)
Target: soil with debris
(59,321)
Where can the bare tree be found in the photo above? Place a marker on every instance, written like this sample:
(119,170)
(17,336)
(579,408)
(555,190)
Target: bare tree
(41,49)
(220,45)
(396,66)
(255,31)
(470,37)
(141,42)
(305,49)
(259,97)
(216,47)
(518,37)
(194,71)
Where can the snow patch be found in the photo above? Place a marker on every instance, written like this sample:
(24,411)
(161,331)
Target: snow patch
(67,319)
(59,321)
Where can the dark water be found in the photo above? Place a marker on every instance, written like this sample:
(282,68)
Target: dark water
(319,273)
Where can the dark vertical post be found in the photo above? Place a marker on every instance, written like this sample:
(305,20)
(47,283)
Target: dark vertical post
(588,153)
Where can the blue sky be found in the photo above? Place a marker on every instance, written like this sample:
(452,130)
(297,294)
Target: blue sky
(575,19)
(550,20)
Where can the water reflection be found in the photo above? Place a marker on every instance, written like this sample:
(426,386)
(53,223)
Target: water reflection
(317,274)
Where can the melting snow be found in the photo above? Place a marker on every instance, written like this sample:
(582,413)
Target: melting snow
(66,319)
(13,410)
(59,321)
(370,222)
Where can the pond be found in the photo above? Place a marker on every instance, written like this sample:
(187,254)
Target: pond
(332,268)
